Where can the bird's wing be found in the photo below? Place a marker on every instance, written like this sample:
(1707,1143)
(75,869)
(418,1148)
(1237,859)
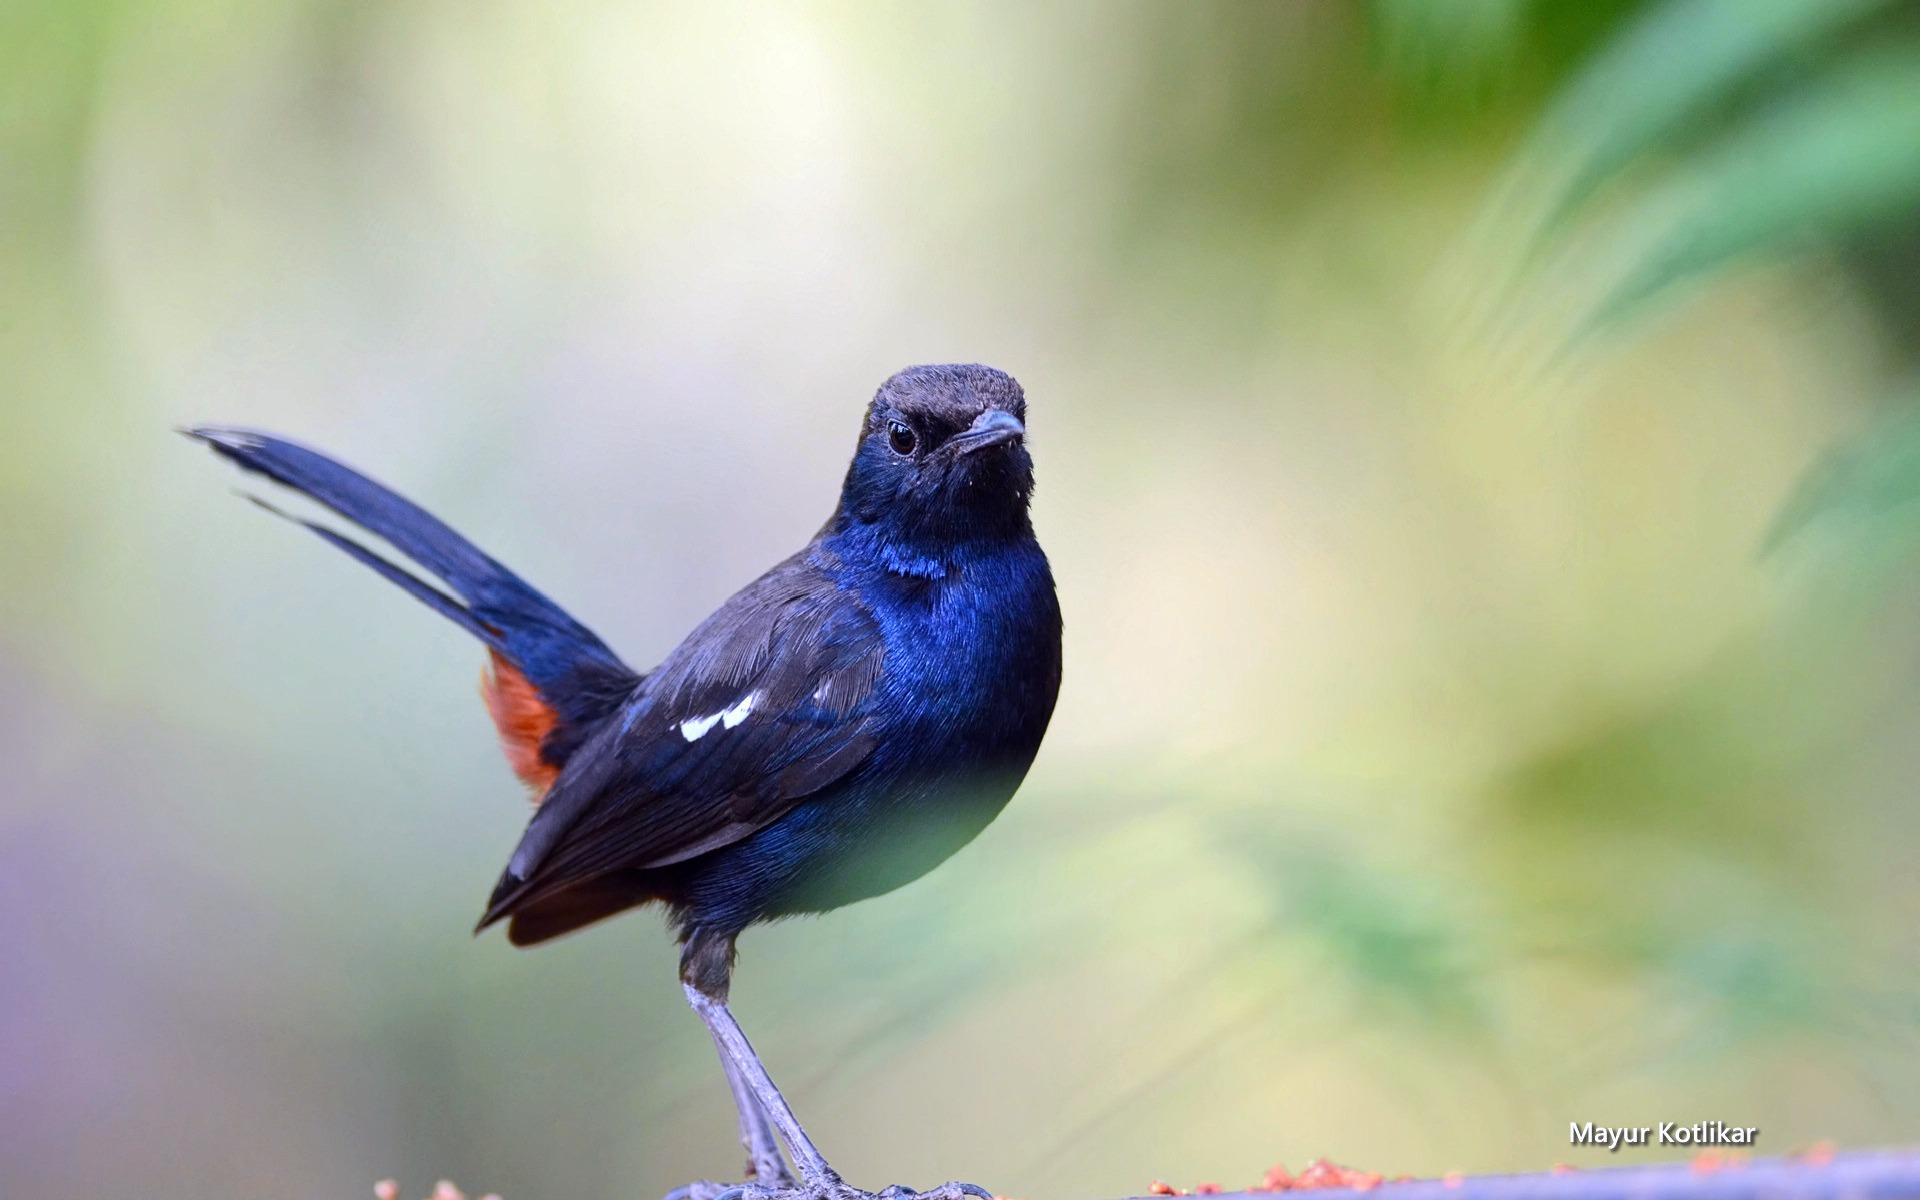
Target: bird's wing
(763,705)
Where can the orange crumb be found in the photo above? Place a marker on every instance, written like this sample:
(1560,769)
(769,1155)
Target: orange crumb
(1452,1179)
(1321,1173)
(1818,1155)
(1325,1173)
(386,1189)
(1708,1161)
(1563,1168)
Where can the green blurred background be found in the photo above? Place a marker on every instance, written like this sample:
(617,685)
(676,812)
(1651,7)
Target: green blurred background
(1478,447)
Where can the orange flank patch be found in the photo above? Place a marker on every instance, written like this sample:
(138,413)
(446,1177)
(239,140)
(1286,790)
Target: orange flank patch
(524,721)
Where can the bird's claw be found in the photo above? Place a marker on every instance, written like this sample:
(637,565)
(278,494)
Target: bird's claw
(707,1190)
(955,1190)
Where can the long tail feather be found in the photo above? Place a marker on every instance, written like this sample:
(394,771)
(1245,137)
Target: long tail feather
(447,606)
(571,669)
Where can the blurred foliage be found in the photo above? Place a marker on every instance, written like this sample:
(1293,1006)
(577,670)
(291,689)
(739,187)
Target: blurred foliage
(1478,448)
(1772,139)
(1869,485)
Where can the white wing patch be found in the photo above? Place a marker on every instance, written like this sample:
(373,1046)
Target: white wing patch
(695,728)
(738,712)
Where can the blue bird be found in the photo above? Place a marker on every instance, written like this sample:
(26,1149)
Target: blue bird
(836,729)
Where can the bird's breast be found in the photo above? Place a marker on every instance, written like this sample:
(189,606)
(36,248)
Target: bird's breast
(963,697)
(973,661)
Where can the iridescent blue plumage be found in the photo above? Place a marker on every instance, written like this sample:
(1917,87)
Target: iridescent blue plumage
(837,728)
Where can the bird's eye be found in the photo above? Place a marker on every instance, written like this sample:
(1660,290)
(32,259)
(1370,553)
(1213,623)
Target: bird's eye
(901,437)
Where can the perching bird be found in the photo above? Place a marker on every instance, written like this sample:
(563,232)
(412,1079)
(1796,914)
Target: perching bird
(838,728)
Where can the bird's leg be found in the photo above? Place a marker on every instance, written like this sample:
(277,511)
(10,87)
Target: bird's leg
(821,1179)
(765,1166)
(706,969)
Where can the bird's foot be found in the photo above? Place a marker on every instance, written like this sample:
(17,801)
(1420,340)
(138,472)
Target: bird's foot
(707,1189)
(766,1178)
(836,1190)
(951,1190)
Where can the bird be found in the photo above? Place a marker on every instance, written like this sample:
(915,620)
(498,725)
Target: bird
(836,729)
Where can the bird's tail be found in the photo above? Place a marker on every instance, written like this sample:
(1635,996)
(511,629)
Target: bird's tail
(552,680)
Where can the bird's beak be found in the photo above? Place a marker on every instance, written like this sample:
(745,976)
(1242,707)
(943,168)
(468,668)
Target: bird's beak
(995,427)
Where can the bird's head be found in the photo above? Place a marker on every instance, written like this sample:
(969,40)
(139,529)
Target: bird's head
(942,457)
